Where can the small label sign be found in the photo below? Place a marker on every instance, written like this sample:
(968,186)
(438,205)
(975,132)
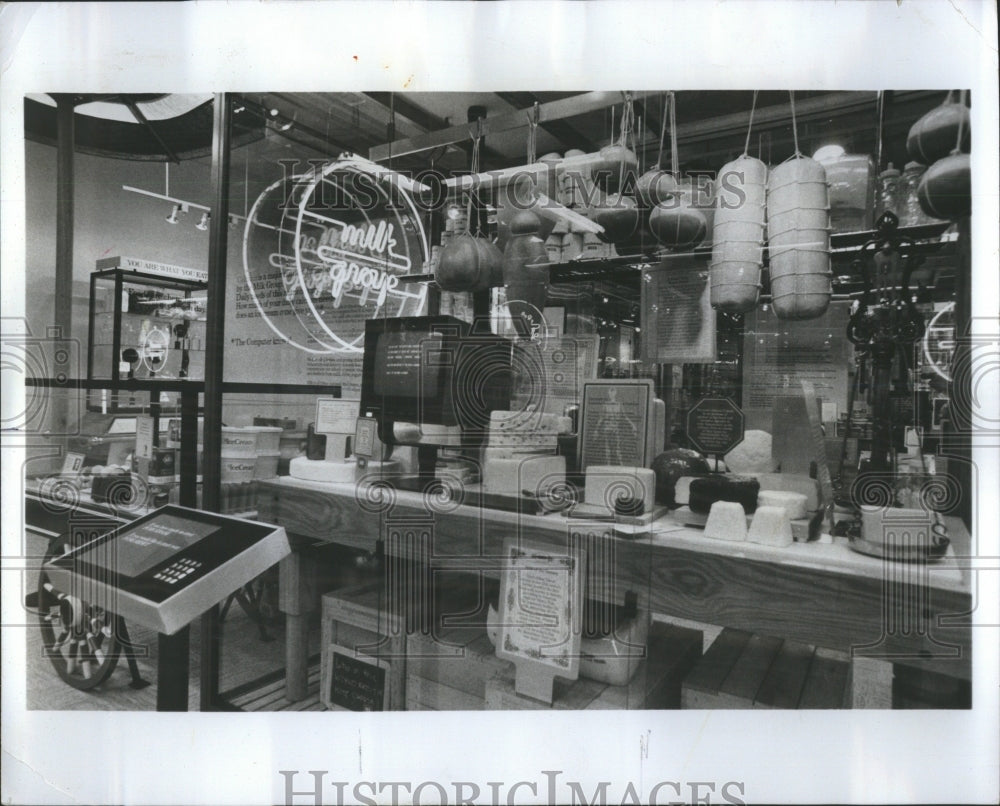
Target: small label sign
(715,425)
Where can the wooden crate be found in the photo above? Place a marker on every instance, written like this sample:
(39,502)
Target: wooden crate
(458,660)
(355,618)
(743,670)
(672,653)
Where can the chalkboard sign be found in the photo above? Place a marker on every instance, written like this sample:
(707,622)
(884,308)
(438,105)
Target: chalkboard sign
(354,682)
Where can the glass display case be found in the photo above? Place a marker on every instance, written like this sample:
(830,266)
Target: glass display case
(143,327)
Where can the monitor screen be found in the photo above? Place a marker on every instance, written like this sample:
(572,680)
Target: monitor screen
(147,545)
(430,370)
(407,364)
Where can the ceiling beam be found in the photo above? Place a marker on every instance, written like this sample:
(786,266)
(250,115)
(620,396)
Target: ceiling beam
(560,129)
(426,120)
(547,112)
(141,118)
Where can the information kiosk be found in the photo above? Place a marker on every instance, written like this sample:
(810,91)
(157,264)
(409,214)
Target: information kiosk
(163,571)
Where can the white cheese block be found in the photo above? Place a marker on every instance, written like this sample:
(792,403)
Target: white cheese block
(532,473)
(793,503)
(792,483)
(771,526)
(529,422)
(604,484)
(726,521)
(321,470)
(682,490)
(523,441)
(507,452)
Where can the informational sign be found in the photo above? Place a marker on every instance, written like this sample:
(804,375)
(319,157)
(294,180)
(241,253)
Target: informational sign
(336,416)
(152,267)
(72,463)
(715,425)
(365,436)
(779,354)
(541,604)
(615,425)
(144,437)
(354,682)
(678,321)
(549,373)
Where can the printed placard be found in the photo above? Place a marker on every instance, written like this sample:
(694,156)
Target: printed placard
(541,602)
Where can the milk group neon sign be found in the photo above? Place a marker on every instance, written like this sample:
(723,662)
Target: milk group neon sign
(327,265)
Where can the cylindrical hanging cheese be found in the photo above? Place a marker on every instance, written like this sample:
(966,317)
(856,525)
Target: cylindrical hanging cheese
(525,269)
(798,234)
(738,235)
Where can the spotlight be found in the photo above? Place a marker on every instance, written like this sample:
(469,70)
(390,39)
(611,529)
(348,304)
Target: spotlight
(203,223)
(233,221)
(172,218)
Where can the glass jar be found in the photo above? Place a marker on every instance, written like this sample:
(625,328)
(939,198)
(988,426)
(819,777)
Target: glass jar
(911,214)
(888,193)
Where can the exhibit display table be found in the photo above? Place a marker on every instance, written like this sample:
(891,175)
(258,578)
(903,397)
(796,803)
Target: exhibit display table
(915,614)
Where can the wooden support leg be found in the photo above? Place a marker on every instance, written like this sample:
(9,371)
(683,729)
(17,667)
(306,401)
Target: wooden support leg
(172,671)
(296,599)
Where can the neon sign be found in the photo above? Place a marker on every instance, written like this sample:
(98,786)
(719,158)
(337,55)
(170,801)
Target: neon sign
(315,274)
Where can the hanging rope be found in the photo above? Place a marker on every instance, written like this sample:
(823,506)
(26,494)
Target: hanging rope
(663,129)
(961,124)
(474,167)
(627,123)
(753,107)
(533,135)
(795,128)
(675,163)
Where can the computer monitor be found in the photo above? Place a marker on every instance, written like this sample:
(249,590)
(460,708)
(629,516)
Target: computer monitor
(436,375)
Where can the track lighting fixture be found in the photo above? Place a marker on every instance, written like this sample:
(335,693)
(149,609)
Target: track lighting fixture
(174,213)
(203,222)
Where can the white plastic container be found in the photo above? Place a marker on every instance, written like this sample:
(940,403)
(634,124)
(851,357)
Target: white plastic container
(238,470)
(266,466)
(268,440)
(238,442)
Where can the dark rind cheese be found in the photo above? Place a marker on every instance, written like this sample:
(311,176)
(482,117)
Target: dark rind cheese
(739,489)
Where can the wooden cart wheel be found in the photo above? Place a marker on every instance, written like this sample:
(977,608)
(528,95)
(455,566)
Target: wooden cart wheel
(80,639)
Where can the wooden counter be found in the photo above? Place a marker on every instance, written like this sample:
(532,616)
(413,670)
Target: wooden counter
(826,594)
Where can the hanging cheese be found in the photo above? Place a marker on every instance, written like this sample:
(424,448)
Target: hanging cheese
(491,261)
(798,233)
(611,167)
(679,222)
(935,134)
(525,269)
(619,216)
(738,235)
(945,189)
(461,267)
(655,186)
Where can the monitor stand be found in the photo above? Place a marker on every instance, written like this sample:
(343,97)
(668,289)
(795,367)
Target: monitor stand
(426,466)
